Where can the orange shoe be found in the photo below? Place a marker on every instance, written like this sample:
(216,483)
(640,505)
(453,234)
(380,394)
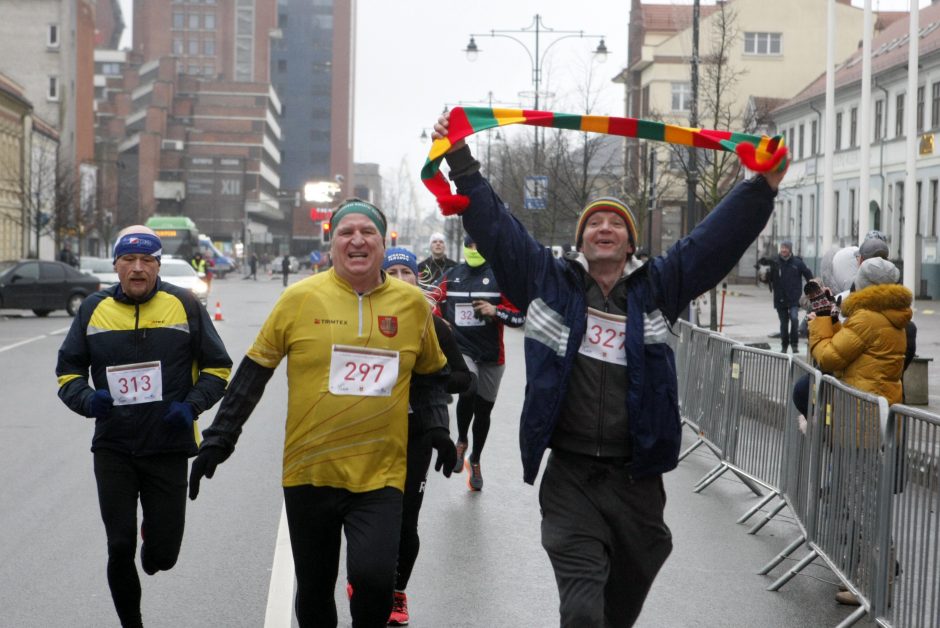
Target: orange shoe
(474,476)
(461,450)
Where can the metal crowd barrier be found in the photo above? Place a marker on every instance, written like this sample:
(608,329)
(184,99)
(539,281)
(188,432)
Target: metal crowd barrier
(799,493)
(912,571)
(851,445)
(862,480)
(755,445)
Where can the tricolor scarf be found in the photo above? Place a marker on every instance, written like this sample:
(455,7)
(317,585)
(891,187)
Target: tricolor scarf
(759,153)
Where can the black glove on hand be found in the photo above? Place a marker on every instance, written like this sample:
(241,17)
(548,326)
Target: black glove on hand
(99,404)
(204,466)
(180,414)
(822,303)
(446,451)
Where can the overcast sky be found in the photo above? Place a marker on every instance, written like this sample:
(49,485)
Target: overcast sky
(410,63)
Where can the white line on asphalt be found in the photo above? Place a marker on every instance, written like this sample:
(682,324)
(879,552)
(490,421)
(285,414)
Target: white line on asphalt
(279,612)
(34,339)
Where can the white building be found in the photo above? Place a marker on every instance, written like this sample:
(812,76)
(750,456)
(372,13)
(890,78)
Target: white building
(801,120)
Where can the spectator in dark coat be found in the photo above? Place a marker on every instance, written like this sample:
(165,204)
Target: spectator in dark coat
(787,273)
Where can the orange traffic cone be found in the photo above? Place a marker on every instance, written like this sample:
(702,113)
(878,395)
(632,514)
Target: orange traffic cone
(218,311)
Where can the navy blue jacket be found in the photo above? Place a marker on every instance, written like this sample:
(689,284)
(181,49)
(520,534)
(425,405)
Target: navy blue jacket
(551,293)
(786,280)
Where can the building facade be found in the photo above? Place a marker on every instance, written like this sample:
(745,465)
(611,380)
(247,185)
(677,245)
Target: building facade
(772,51)
(801,120)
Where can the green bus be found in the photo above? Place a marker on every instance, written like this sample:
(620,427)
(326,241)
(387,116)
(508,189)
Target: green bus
(179,235)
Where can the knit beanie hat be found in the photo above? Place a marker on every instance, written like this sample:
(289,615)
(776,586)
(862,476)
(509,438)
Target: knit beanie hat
(874,271)
(606,204)
(873,247)
(437,236)
(398,255)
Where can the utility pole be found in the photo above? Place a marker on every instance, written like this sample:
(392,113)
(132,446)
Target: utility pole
(692,179)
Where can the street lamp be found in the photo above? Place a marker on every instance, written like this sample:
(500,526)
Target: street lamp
(536,57)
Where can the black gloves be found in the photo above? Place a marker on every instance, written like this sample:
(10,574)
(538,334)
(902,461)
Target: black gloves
(99,404)
(204,466)
(180,414)
(446,451)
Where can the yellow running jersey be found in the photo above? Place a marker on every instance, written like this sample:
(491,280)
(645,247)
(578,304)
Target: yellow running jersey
(356,440)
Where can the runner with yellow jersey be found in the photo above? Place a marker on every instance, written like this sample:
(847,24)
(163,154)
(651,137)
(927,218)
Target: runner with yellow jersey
(352,337)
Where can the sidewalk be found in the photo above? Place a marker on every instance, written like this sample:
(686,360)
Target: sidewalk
(749,317)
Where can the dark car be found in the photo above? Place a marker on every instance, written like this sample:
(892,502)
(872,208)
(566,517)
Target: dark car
(43,286)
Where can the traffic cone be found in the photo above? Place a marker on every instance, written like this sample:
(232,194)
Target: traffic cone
(218,311)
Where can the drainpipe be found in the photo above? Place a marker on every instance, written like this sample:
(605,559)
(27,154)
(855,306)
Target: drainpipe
(817,257)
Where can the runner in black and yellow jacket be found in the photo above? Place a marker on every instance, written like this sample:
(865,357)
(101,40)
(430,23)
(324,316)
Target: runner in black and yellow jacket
(156,363)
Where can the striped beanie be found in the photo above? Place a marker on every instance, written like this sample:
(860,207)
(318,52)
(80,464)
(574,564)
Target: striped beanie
(606,204)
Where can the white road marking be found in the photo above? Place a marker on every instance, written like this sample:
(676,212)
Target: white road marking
(34,339)
(279,612)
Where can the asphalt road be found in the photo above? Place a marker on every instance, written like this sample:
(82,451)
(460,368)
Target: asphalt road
(481,562)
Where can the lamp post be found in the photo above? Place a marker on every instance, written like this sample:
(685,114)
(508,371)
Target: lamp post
(537,30)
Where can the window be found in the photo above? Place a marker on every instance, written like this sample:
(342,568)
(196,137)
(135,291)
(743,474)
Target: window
(179,19)
(812,138)
(193,69)
(208,47)
(790,139)
(194,46)
(899,115)
(837,217)
(853,127)
(681,96)
(194,21)
(853,222)
(920,109)
(921,227)
(177,45)
(762,43)
(800,136)
(53,36)
(209,70)
(53,93)
(208,22)
(282,65)
(839,131)
(111,69)
(879,115)
(932,216)
(935,106)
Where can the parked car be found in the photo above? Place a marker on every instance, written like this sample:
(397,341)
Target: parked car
(276,265)
(180,273)
(100,267)
(43,286)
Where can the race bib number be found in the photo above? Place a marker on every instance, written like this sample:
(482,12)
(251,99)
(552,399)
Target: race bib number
(605,337)
(130,384)
(465,316)
(363,372)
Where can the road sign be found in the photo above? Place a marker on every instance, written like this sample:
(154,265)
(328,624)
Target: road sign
(315,257)
(536,192)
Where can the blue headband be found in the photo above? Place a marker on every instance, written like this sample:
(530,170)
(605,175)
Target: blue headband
(142,243)
(398,255)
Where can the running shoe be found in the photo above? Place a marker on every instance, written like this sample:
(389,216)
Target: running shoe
(474,477)
(461,450)
(399,616)
(349,590)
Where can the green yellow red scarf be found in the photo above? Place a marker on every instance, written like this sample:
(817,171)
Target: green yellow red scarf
(757,152)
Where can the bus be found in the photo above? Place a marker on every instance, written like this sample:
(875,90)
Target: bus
(179,235)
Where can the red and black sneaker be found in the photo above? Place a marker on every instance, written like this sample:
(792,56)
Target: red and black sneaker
(399,616)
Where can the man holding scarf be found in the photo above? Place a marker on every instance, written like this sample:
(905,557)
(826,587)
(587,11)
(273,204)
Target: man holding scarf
(143,340)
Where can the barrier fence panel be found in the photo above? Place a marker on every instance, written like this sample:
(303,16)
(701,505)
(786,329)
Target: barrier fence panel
(801,477)
(692,397)
(680,340)
(760,401)
(913,567)
(852,463)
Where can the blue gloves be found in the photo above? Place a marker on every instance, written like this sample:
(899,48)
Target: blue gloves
(99,404)
(180,414)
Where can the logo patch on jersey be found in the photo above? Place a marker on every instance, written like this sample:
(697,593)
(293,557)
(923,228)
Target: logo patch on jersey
(388,325)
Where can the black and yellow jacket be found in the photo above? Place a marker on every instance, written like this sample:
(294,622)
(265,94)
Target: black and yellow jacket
(170,326)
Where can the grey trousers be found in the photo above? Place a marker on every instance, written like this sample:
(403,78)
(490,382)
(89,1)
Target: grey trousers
(605,536)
